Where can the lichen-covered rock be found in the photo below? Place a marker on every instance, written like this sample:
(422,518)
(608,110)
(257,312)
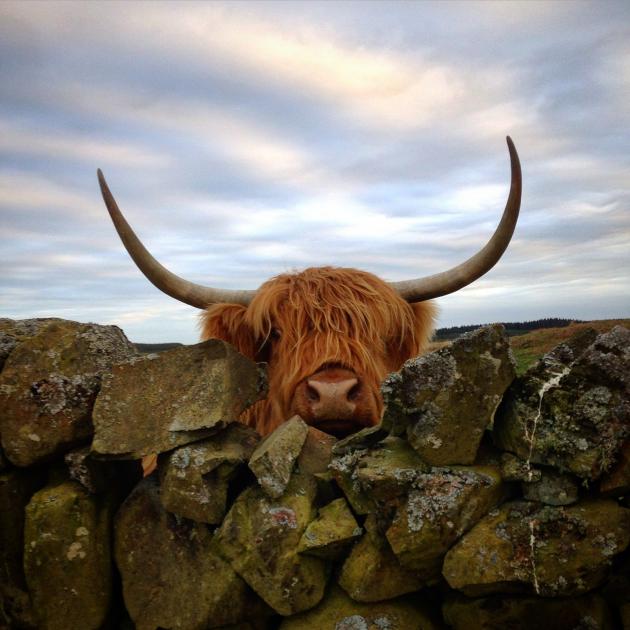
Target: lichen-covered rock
(363,439)
(82,467)
(552,488)
(382,472)
(273,460)
(171,575)
(372,573)
(67,557)
(337,611)
(14,331)
(571,409)
(589,612)
(549,551)
(617,481)
(330,534)
(160,401)
(260,538)
(48,386)
(16,488)
(444,401)
(316,452)
(195,478)
(442,505)
(389,468)
(516,469)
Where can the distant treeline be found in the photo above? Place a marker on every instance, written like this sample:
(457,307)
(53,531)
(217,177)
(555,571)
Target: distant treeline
(512,328)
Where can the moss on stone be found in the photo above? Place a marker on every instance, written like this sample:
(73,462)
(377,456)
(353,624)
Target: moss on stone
(260,538)
(329,535)
(67,557)
(339,612)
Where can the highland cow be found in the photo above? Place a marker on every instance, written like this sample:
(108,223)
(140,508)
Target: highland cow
(329,335)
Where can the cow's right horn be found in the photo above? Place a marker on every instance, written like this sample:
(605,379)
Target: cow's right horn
(166,281)
(455,278)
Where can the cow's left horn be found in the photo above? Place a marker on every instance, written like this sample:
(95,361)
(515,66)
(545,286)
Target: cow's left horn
(457,277)
(166,281)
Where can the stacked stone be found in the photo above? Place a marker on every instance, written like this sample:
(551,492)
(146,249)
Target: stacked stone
(481,501)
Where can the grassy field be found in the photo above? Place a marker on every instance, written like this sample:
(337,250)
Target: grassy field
(531,346)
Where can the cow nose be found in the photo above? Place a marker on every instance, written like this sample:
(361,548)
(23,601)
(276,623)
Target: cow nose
(332,399)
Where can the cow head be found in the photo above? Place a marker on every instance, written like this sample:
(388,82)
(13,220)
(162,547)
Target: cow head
(329,335)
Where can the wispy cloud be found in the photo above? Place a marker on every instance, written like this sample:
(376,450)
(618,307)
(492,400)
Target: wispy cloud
(242,140)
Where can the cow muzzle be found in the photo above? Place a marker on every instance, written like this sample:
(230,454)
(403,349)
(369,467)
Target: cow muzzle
(336,401)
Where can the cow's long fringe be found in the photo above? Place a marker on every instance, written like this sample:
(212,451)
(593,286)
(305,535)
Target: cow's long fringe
(324,315)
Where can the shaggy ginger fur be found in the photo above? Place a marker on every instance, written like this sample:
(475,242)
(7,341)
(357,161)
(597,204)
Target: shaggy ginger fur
(322,315)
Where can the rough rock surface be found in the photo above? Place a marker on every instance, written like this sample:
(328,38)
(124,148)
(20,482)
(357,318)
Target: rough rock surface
(444,401)
(516,469)
(67,557)
(572,408)
(552,488)
(549,551)
(372,573)
(617,481)
(160,401)
(16,488)
(171,575)
(330,534)
(339,612)
(14,331)
(589,612)
(48,386)
(316,452)
(196,476)
(383,471)
(260,538)
(442,505)
(273,460)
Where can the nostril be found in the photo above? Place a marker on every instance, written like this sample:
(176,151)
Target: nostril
(312,394)
(354,392)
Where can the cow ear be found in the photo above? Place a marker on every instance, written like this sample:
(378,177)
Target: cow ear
(424,315)
(227,322)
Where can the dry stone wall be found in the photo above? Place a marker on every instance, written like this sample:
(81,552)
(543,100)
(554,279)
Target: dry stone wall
(482,500)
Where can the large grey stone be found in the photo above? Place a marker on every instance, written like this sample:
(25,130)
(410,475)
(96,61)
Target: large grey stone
(67,557)
(372,573)
(48,386)
(571,409)
(445,400)
(443,505)
(172,576)
(260,537)
(529,548)
(160,401)
(16,488)
(331,533)
(14,331)
(274,459)
(195,477)
(381,472)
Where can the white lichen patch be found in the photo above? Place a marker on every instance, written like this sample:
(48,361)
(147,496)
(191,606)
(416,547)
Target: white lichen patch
(354,622)
(82,531)
(34,437)
(433,441)
(75,550)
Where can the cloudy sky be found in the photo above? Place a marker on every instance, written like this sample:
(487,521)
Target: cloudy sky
(247,139)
